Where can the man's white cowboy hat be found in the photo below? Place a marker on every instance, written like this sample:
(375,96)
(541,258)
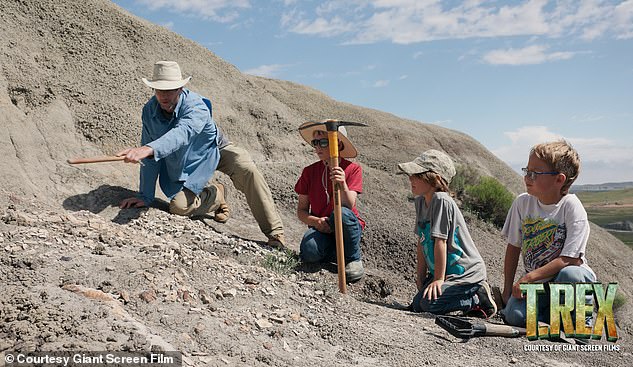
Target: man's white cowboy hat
(167,76)
(348,151)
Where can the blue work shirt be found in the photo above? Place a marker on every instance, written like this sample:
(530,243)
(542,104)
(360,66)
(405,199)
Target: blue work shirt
(185,147)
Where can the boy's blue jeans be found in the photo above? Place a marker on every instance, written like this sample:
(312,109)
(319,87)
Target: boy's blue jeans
(321,247)
(453,298)
(515,311)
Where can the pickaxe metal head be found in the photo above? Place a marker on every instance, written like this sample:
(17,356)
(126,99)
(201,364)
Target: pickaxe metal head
(333,125)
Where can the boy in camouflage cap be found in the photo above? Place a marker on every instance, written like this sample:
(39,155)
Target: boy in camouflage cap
(451,275)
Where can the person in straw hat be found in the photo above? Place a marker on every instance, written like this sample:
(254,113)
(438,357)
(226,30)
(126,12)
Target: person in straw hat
(178,147)
(451,274)
(234,161)
(315,207)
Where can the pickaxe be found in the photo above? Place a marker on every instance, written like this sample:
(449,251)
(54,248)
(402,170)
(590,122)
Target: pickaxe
(331,126)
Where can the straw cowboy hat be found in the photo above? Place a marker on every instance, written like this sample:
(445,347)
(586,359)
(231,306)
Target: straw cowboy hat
(348,151)
(167,76)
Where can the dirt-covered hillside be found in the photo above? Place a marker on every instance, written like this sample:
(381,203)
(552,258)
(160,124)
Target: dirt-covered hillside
(78,273)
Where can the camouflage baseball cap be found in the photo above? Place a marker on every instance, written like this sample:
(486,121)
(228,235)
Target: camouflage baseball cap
(431,160)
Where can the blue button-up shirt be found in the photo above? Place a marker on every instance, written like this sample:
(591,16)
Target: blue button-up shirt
(185,148)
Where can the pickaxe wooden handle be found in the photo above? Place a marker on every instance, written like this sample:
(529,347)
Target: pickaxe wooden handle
(95,159)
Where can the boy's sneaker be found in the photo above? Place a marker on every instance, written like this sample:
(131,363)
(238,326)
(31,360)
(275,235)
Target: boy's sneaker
(354,271)
(486,306)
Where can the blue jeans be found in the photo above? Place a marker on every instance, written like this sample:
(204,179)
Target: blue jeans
(321,247)
(453,298)
(515,311)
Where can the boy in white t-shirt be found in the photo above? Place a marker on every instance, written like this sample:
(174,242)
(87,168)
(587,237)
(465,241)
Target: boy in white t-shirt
(549,227)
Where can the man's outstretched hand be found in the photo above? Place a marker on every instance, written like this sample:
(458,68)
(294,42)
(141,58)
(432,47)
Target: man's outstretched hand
(133,202)
(134,155)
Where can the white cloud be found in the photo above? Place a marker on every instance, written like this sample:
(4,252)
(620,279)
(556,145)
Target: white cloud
(535,54)
(168,25)
(267,71)
(381,83)
(624,19)
(320,26)
(222,11)
(412,21)
(403,77)
(603,159)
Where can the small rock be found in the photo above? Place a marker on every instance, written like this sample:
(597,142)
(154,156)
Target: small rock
(263,324)
(204,297)
(125,296)
(199,354)
(155,348)
(199,328)
(99,249)
(513,360)
(109,268)
(172,296)
(66,258)
(230,293)
(148,296)
(251,281)
(186,296)
(268,345)
(287,347)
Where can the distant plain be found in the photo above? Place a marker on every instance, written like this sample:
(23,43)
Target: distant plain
(605,207)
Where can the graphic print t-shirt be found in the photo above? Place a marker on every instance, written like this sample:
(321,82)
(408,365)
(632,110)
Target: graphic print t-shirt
(443,219)
(545,232)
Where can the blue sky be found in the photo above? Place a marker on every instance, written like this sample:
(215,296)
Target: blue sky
(508,73)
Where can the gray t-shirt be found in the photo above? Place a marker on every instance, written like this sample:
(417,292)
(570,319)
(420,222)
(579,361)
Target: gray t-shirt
(443,219)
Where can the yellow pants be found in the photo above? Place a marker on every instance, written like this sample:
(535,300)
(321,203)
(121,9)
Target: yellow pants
(237,163)
(187,203)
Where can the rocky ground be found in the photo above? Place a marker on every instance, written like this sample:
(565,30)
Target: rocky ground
(80,281)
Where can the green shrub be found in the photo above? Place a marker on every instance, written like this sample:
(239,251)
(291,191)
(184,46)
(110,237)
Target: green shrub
(281,261)
(465,175)
(489,199)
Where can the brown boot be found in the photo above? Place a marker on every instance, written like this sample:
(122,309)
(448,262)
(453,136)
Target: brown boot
(221,214)
(277,241)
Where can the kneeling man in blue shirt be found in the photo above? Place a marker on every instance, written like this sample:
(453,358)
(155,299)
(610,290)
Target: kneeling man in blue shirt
(178,148)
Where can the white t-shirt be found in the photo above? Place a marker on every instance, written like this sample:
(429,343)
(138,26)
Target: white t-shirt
(545,232)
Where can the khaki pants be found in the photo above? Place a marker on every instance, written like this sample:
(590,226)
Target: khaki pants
(189,204)
(237,163)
